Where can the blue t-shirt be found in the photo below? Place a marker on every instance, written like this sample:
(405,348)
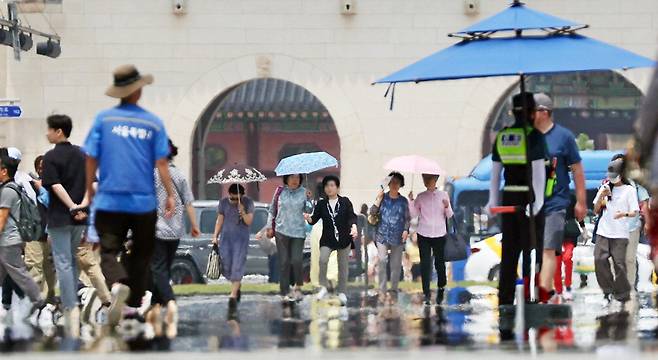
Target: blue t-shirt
(561,146)
(127,141)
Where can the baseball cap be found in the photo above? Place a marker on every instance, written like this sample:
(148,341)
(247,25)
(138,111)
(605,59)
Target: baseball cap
(616,166)
(14,153)
(544,102)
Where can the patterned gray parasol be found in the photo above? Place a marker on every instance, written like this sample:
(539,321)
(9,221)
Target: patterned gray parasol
(237,174)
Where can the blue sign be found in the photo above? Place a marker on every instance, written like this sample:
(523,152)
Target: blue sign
(10,111)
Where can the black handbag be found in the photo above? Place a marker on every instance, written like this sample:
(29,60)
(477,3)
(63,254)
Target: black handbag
(456,247)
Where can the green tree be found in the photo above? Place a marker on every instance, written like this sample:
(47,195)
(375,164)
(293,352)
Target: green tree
(584,142)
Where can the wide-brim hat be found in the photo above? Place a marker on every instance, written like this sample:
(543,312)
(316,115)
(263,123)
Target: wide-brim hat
(127,80)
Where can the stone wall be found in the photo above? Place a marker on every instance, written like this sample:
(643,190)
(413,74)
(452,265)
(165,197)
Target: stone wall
(220,43)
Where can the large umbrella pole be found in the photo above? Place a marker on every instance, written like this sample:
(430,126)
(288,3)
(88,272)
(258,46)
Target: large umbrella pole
(531,215)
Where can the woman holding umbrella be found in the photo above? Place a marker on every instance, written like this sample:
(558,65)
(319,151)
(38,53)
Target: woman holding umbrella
(432,207)
(234,216)
(286,224)
(392,211)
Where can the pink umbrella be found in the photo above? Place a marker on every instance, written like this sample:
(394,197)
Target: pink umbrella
(414,164)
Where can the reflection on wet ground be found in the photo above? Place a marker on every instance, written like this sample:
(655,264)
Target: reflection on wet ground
(469,321)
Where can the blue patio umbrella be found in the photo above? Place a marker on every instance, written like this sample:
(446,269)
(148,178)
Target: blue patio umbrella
(498,46)
(518,55)
(517,41)
(305,163)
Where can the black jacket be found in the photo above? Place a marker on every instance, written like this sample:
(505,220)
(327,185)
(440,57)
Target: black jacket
(345,218)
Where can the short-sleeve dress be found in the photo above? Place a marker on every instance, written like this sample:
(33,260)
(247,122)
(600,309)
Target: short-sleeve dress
(234,238)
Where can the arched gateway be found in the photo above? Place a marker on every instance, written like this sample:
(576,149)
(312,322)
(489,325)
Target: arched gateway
(258,122)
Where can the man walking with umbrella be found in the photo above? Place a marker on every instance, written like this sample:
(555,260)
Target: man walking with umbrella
(516,148)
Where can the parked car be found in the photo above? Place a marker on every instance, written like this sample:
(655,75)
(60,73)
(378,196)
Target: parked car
(583,264)
(484,262)
(470,194)
(189,266)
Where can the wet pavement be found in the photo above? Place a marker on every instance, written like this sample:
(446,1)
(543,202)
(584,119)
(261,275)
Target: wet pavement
(469,322)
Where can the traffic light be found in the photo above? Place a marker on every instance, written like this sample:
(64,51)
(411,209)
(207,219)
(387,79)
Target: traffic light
(5,37)
(49,48)
(25,41)
(19,37)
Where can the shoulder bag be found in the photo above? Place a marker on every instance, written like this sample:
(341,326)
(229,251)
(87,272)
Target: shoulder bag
(456,247)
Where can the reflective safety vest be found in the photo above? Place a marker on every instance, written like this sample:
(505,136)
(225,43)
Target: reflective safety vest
(510,143)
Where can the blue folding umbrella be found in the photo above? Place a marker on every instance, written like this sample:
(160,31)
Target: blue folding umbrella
(305,163)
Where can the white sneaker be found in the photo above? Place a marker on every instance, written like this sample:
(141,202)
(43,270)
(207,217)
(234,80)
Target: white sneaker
(3,314)
(321,293)
(33,319)
(567,295)
(22,308)
(46,320)
(102,315)
(616,305)
(298,295)
(146,303)
(9,317)
(120,294)
(343,299)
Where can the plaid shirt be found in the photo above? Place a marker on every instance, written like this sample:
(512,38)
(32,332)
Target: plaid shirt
(172,228)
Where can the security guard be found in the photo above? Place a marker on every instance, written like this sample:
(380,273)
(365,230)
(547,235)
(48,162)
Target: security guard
(510,154)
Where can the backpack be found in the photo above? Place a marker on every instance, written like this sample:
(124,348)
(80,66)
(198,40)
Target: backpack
(43,211)
(29,218)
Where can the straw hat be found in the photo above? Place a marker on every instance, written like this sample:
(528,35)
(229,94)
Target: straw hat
(127,80)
